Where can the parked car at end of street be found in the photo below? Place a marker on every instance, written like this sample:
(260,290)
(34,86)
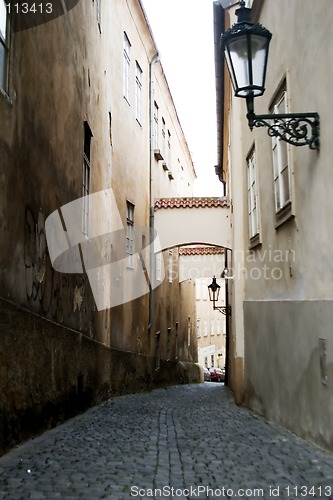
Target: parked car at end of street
(217,374)
(206,374)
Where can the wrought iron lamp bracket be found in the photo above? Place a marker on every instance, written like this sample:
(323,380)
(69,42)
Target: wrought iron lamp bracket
(298,129)
(226,310)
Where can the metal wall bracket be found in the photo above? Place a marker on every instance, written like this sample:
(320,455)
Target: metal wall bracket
(226,310)
(298,129)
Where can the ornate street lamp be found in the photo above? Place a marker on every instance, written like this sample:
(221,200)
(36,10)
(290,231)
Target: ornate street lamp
(245,47)
(214,291)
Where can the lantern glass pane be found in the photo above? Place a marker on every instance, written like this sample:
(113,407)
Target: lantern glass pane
(240,61)
(259,56)
(231,69)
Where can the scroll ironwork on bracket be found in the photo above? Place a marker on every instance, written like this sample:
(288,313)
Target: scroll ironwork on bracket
(298,129)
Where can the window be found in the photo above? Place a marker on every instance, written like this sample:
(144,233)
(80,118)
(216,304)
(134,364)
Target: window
(169,150)
(110,129)
(158,262)
(157,351)
(168,348)
(4,45)
(138,92)
(155,126)
(205,328)
(127,64)
(212,328)
(163,138)
(218,326)
(197,289)
(86,178)
(176,340)
(143,246)
(204,290)
(198,328)
(170,265)
(281,161)
(130,234)
(188,331)
(252,196)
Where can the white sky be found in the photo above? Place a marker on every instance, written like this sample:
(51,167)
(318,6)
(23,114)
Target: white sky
(183,32)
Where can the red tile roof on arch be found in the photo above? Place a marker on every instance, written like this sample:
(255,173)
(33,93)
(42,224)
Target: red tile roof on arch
(191,203)
(201,250)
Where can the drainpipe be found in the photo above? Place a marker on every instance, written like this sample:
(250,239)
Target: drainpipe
(154,60)
(227,322)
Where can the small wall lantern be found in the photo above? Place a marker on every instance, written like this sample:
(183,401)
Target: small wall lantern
(245,47)
(214,292)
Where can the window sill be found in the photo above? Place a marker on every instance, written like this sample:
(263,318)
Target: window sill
(254,242)
(283,215)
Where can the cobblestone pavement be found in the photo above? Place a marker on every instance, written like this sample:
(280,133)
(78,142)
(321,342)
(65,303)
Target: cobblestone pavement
(188,442)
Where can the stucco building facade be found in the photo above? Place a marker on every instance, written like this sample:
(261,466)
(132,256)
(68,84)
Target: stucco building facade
(85,108)
(281,199)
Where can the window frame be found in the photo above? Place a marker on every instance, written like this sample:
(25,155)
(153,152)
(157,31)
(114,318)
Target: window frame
(253,210)
(212,327)
(168,343)
(281,152)
(127,68)
(86,177)
(138,92)
(158,266)
(198,328)
(170,265)
(163,137)
(198,289)
(130,246)
(204,290)
(85,193)
(155,126)
(205,328)
(169,149)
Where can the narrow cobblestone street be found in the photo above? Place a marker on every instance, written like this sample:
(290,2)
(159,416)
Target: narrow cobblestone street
(180,442)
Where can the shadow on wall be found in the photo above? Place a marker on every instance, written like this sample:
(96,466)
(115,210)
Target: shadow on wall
(50,373)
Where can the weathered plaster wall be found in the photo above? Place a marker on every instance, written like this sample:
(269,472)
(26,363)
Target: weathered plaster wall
(49,373)
(68,355)
(41,160)
(282,365)
(287,278)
